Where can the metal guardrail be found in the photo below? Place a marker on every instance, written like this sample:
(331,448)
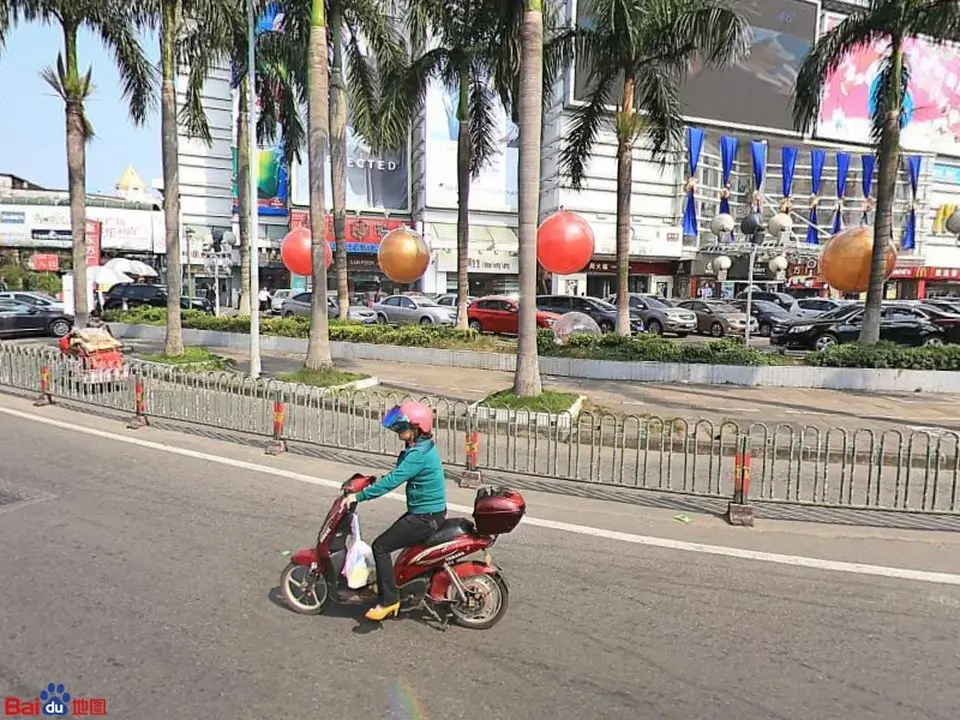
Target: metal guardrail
(915,471)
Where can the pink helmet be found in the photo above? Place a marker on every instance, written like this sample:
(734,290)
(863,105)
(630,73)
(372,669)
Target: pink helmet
(409,413)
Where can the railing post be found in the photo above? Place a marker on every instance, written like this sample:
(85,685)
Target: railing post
(277,444)
(139,405)
(470,478)
(739,510)
(45,397)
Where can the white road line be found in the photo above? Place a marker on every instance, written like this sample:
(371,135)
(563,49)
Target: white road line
(666,543)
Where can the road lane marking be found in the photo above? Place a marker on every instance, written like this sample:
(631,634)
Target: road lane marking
(648,540)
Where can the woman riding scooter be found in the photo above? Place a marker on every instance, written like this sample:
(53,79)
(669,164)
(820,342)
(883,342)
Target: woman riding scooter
(420,468)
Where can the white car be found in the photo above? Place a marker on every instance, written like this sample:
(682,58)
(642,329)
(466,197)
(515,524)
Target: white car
(32,299)
(276,302)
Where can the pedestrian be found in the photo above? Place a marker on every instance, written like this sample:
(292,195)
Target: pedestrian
(263,298)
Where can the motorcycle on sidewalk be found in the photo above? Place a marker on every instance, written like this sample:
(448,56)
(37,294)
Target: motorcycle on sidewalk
(437,577)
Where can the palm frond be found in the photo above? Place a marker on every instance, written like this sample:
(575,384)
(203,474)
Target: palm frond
(484,123)
(584,127)
(886,101)
(657,98)
(860,27)
(935,20)
(363,95)
(111,20)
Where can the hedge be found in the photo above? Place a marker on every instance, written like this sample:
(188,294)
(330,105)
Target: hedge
(639,348)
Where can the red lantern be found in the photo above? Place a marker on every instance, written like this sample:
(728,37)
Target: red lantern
(295,252)
(564,243)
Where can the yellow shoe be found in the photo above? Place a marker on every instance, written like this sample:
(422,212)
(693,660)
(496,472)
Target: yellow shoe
(382,613)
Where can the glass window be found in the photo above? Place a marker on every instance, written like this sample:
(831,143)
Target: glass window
(407,303)
(392,301)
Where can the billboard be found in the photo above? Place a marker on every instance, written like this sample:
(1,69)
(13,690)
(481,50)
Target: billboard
(375,183)
(273,175)
(932,102)
(495,188)
(756,92)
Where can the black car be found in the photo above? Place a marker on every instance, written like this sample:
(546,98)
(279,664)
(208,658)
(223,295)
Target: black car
(143,295)
(602,312)
(785,301)
(19,319)
(769,315)
(897,324)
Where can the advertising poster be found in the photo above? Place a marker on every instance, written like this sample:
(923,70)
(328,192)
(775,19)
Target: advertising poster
(495,189)
(756,92)
(932,102)
(273,175)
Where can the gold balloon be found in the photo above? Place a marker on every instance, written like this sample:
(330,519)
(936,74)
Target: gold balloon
(845,262)
(403,255)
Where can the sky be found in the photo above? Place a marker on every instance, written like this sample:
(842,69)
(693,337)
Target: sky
(32,130)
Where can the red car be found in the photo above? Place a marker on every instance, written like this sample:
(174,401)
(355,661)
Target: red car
(502,315)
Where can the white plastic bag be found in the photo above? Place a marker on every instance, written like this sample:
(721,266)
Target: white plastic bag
(358,568)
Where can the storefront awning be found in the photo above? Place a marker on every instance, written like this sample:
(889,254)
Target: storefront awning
(482,237)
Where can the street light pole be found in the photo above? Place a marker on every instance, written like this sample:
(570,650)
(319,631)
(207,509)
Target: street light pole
(251,220)
(746,330)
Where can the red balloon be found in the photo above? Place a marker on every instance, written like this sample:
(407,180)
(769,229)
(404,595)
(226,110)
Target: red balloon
(564,243)
(295,252)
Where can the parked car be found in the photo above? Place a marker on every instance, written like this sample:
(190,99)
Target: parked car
(897,324)
(946,320)
(143,295)
(602,312)
(719,318)
(450,299)
(30,298)
(300,306)
(403,309)
(949,304)
(20,319)
(659,316)
(498,314)
(769,315)
(813,306)
(276,300)
(787,302)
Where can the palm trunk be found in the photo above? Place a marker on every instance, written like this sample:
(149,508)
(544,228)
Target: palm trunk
(171,174)
(77,181)
(318,347)
(888,161)
(526,381)
(624,189)
(464,150)
(338,155)
(243,194)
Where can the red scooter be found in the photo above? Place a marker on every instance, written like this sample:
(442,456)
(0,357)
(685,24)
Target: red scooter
(435,577)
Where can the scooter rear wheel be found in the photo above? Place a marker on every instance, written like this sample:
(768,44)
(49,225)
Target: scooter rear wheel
(303,591)
(486,603)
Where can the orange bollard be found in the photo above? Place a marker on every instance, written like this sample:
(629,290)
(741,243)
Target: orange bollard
(45,397)
(277,444)
(739,510)
(472,449)
(139,406)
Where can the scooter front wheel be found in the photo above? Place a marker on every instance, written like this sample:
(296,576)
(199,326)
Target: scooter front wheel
(304,590)
(486,602)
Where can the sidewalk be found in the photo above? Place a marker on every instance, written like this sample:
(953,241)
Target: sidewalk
(790,406)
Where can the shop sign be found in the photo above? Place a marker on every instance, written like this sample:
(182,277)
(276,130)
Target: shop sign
(44,262)
(925,273)
(363,234)
(502,263)
(94,230)
(609,267)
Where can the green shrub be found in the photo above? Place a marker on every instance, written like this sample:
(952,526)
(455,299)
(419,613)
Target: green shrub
(887,355)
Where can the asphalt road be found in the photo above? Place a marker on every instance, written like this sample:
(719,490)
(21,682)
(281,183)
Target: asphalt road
(150,579)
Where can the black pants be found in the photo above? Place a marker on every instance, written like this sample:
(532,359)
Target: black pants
(408,530)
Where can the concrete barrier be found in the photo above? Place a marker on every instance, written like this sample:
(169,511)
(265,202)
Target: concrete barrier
(795,376)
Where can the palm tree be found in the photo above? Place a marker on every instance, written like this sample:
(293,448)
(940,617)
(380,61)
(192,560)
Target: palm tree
(197,35)
(465,47)
(526,380)
(646,48)
(113,22)
(280,92)
(893,22)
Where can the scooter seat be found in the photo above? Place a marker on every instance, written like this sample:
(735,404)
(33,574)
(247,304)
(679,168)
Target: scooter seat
(451,529)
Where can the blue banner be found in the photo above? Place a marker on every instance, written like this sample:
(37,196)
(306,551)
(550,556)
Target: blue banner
(694,148)
(818,158)
(843,168)
(728,154)
(910,229)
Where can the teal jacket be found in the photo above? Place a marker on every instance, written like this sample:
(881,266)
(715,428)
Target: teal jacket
(420,468)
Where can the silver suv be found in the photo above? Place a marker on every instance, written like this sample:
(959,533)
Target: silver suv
(659,316)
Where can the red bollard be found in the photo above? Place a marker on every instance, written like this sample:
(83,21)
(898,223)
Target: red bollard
(139,406)
(277,444)
(739,511)
(45,397)
(471,473)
